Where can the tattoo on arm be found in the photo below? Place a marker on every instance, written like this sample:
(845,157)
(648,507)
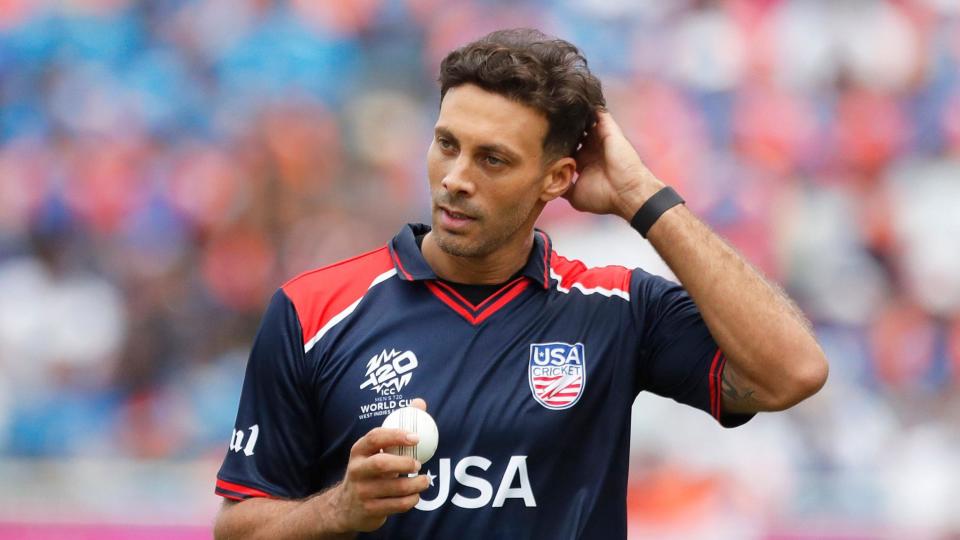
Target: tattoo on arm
(734,390)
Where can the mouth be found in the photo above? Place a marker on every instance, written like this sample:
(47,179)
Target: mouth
(455,214)
(452,219)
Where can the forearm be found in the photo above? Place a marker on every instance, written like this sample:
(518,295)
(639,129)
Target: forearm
(773,359)
(311,518)
(772,356)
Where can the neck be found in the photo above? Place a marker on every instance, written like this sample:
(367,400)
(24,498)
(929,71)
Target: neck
(495,267)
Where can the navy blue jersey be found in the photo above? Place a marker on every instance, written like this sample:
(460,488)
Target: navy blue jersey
(531,389)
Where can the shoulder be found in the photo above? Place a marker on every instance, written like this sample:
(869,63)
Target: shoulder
(325,295)
(353,274)
(608,281)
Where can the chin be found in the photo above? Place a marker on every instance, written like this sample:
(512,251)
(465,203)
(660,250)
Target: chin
(457,246)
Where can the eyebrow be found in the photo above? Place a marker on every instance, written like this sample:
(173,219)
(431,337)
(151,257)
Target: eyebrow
(495,148)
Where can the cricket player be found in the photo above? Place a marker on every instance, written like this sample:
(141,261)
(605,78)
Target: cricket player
(528,360)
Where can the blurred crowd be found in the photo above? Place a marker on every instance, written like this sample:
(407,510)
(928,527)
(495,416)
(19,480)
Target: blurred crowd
(164,166)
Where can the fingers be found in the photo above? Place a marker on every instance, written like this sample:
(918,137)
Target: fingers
(379,438)
(606,125)
(393,487)
(376,484)
(419,403)
(393,505)
(381,465)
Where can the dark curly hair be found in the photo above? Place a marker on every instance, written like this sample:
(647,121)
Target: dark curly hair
(534,69)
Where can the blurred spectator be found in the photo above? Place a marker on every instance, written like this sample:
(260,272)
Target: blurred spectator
(60,334)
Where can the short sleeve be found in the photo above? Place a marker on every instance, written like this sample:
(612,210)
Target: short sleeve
(274,435)
(678,358)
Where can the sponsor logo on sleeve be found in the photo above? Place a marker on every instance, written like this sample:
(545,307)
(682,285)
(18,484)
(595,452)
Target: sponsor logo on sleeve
(236,440)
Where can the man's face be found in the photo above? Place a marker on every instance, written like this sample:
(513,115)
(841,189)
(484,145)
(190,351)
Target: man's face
(486,171)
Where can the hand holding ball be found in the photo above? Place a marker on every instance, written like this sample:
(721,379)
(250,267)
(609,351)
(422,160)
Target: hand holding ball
(376,484)
(416,421)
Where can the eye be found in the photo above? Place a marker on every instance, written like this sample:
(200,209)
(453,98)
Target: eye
(444,144)
(494,161)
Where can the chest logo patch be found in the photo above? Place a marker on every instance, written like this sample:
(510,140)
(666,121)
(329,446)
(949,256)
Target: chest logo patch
(557,374)
(388,372)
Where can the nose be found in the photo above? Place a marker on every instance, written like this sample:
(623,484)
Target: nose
(458,180)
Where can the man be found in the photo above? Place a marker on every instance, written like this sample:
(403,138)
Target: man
(529,361)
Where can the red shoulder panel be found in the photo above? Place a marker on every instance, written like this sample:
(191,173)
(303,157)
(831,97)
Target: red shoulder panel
(575,272)
(322,294)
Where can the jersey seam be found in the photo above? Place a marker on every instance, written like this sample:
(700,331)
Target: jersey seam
(334,265)
(315,339)
(298,347)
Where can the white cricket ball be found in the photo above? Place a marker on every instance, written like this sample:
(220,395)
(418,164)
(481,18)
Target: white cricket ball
(416,421)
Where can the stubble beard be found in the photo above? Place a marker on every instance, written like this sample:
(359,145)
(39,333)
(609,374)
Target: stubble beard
(489,238)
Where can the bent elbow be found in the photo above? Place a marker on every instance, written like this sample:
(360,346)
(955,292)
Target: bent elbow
(813,376)
(806,379)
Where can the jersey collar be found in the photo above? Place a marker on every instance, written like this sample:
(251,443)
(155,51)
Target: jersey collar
(411,266)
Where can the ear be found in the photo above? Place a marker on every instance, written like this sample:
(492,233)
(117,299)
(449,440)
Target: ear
(558,177)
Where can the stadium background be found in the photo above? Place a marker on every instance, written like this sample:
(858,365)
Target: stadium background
(165,165)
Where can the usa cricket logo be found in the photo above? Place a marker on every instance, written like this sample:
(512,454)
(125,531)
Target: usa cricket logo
(557,374)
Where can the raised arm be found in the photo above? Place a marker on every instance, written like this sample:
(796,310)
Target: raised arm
(773,359)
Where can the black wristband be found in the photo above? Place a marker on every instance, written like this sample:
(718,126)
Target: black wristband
(653,208)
